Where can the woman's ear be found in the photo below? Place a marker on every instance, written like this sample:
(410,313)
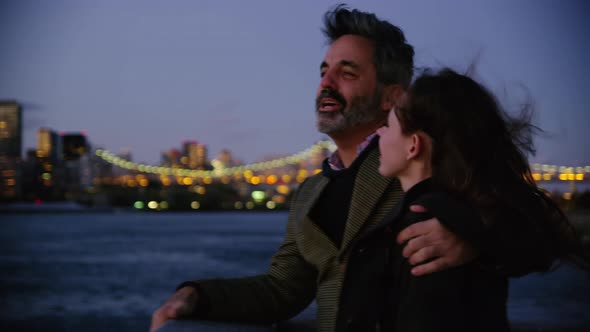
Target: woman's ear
(392,95)
(414,146)
(419,145)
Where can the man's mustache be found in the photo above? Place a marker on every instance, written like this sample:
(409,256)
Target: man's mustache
(333,94)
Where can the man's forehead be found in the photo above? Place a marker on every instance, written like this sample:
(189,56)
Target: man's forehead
(343,62)
(350,49)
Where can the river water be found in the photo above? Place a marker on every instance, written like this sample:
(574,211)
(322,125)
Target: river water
(110,271)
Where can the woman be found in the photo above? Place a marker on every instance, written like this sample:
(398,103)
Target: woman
(456,153)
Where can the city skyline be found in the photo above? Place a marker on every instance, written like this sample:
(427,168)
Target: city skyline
(146,76)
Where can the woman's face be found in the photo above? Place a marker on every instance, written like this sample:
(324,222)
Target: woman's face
(393,145)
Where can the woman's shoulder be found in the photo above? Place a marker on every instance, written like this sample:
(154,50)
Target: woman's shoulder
(455,212)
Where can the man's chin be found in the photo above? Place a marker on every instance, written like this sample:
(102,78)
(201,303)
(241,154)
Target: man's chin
(329,129)
(329,122)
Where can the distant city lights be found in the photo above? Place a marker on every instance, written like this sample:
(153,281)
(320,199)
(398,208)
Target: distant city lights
(219,171)
(258,196)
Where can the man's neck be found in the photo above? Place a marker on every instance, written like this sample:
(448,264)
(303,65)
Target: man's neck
(347,143)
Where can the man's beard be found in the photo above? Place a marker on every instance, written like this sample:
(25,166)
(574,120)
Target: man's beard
(361,110)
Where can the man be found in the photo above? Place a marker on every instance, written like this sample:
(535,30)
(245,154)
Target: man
(365,71)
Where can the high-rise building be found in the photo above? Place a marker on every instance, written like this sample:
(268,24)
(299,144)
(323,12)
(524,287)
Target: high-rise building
(31,179)
(201,156)
(49,145)
(189,154)
(10,129)
(10,178)
(50,158)
(194,155)
(79,173)
(75,145)
(10,149)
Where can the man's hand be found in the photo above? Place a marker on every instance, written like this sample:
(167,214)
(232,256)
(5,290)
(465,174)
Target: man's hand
(430,240)
(179,305)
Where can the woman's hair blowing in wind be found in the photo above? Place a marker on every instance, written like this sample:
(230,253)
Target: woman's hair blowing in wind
(480,153)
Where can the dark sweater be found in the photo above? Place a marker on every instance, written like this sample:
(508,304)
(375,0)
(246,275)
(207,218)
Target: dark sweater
(331,209)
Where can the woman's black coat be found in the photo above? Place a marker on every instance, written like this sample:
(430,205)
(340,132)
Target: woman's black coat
(380,294)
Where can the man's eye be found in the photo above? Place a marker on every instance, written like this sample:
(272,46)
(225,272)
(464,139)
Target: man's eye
(349,74)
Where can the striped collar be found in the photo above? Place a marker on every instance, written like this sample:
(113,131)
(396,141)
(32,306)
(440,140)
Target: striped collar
(335,161)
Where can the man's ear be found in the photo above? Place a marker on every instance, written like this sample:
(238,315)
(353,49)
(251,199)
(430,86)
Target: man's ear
(392,95)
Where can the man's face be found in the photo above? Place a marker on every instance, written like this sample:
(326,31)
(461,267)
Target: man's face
(348,94)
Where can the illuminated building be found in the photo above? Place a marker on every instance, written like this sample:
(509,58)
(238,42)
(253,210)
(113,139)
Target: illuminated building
(49,145)
(10,149)
(201,156)
(10,129)
(50,158)
(194,155)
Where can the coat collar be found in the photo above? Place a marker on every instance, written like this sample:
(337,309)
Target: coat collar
(369,187)
(309,195)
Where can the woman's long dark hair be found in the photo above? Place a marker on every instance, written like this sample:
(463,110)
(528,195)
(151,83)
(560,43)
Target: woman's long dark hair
(479,152)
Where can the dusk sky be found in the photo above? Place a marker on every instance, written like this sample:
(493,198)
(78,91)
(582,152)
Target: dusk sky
(242,75)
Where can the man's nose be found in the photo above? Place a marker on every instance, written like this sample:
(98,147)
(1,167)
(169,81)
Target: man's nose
(328,82)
